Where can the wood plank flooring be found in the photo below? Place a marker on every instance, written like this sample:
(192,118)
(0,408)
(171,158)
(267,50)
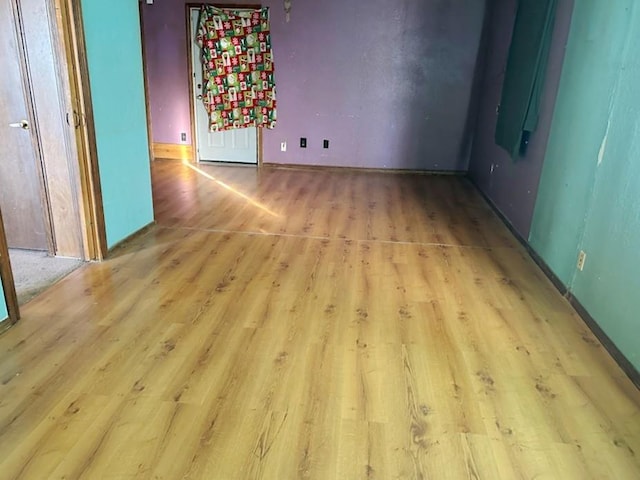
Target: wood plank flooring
(283,324)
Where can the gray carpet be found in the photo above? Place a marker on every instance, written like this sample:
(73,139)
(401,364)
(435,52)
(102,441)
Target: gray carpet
(34,271)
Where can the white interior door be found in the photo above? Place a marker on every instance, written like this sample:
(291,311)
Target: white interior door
(239,145)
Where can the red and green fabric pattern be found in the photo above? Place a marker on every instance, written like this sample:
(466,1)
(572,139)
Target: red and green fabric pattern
(239,85)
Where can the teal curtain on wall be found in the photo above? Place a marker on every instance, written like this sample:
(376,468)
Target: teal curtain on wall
(524,76)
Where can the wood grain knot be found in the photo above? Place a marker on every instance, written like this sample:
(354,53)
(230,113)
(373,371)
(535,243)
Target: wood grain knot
(544,390)
(486,380)
(281,358)
(404,313)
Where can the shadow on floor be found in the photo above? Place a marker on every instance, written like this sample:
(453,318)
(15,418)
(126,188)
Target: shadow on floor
(35,271)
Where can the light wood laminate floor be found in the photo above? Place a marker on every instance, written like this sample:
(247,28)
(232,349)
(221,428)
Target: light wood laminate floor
(284,324)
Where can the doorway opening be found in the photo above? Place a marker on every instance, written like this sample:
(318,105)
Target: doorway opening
(34,271)
(241,145)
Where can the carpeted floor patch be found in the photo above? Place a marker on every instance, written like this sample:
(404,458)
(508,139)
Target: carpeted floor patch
(34,271)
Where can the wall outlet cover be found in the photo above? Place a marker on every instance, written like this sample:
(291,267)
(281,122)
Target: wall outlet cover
(582,257)
(303,142)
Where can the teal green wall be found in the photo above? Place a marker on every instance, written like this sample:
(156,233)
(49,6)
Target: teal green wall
(590,187)
(3,304)
(114,54)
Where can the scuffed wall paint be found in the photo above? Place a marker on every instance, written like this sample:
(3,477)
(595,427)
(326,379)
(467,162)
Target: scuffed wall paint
(603,145)
(590,187)
(590,72)
(609,284)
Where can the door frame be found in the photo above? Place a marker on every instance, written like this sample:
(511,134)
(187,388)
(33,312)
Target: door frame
(192,109)
(145,78)
(73,63)
(8,284)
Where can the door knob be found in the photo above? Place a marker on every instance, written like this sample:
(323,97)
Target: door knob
(199,97)
(23,125)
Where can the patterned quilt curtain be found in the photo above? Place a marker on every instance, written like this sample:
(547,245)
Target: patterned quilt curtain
(239,87)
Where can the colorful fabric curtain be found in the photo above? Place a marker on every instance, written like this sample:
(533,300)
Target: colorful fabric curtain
(239,86)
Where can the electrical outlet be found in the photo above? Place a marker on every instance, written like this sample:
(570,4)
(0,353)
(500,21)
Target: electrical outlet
(582,257)
(325,143)
(303,142)
(283,146)
(183,136)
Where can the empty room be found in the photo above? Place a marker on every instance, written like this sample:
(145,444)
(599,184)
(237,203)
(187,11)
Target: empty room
(322,239)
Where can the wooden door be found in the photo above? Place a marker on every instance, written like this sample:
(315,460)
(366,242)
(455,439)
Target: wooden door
(21,199)
(6,278)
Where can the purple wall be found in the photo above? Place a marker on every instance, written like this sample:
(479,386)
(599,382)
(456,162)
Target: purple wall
(512,186)
(387,82)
